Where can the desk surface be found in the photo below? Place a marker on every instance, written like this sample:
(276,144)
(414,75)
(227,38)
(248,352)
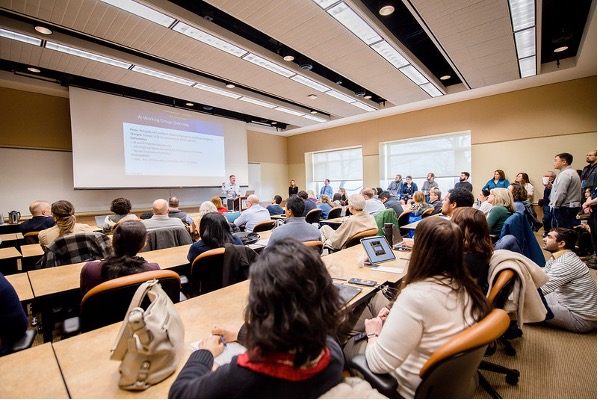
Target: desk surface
(32,373)
(9,252)
(32,250)
(22,286)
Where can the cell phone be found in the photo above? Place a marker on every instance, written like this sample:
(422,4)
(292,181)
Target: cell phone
(362,282)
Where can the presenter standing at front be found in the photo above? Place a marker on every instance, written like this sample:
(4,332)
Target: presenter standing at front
(231,191)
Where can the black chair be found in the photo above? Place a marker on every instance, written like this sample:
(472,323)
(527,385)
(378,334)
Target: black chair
(353,240)
(31,237)
(403,220)
(264,226)
(335,212)
(313,216)
(316,244)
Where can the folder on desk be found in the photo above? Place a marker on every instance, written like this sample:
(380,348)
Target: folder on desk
(347,292)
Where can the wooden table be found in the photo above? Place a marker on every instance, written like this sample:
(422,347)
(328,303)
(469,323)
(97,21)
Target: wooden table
(10,260)
(32,250)
(33,374)
(8,237)
(22,286)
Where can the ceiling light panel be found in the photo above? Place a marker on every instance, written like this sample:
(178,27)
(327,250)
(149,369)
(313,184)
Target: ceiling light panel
(162,75)
(431,89)
(325,3)
(208,39)
(289,111)
(142,11)
(212,89)
(85,54)
(413,74)
(310,83)
(257,102)
(262,62)
(522,14)
(353,22)
(363,106)
(340,96)
(314,118)
(390,54)
(20,37)
(527,66)
(525,41)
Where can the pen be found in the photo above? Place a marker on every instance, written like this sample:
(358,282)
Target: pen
(223,341)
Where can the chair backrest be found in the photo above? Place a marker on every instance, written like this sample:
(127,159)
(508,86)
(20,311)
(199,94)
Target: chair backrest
(501,288)
(231,216)
(75,248)
(316,244)
(428,212)
(109,301)
(313,216)
(387,216)
(354,240)
(335,212)
(451,371)
(163,238)
(403,219)
(31,237)
(264,226)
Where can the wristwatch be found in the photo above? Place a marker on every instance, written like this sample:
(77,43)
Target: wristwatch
(371,335)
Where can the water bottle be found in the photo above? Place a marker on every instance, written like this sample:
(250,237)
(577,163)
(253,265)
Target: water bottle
(388,232)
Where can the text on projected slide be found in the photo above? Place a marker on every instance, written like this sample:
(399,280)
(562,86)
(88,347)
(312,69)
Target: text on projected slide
(173,146)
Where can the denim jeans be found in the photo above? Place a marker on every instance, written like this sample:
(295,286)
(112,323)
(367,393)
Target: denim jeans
(564,217)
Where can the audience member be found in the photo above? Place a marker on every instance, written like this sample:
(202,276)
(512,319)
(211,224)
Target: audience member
(395,186)
(344,198)
(591,204)
(499,181)
(66,223)
(391,201)
(174,212)
(565,197)
(435,202)
(129,239)
(419,205)
(13,320)
(439,299)
(294,225)
(482,202)
(291,318)
(326,189)
(523,179)
(477,245)
(311,196)
(121,208)
(293,188)
(309,205)
(502,208)
(372,205)
(547,181)
(204,208)
(456,198)
(275,208)
(230,190)
(217,201)
(428,184)
(215,232)
(519,196)
(407,188)
(464,182)
(336,200)
(160,219)
(41,217)
(253,215)
(588,174)
(359,221)
(570,292)
(325,205)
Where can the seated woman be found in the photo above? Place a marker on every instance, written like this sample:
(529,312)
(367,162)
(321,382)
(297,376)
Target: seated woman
(502,208)
(499,181)
(121,208)
(311,196)
(419,205)
(519,196)
(477,244)
(482,202)
(439,300)
(204,208)
(66,223)
(325,205)
(218,204)
(214,231)
(129,238)
(523,179)
(292,314)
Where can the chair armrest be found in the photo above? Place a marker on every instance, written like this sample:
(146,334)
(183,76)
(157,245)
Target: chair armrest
(330,249)
(384,383)
(23,343)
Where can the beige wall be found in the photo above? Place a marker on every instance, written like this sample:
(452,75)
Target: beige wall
(270,151)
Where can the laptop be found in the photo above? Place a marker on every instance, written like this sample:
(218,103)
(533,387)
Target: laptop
(346,292)
(377,249)
(249,192)
(100,220)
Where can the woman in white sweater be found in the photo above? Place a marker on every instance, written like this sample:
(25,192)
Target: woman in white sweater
(438,301)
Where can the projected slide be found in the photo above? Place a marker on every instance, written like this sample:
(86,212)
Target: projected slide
(164,146)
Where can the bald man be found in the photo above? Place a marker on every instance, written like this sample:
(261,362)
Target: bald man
(160,219)
(253,215)
(41,217)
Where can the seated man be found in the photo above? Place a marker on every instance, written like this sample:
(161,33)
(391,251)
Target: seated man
(570,292)
(41,217)
(253,215)
(359,221)
(174,212)
(309,205)
(13,320)
(458,197)
(275,208)
(372,205)
(435,201)
(294,226)
(391,201)
(160,219)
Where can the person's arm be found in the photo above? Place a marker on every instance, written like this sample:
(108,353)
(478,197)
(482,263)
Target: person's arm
(242,219)
(193,252)
(589,203)
(13,321)
(492,217)
(487,185)
(558,275)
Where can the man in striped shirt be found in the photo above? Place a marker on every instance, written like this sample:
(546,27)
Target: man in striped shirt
(570,291)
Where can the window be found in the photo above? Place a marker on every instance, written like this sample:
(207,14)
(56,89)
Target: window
(344,168)
(444,155)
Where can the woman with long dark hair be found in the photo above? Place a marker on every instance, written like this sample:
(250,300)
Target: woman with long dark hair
(293,310)
(498,181)
(439,299)
(214,231)
(129,239)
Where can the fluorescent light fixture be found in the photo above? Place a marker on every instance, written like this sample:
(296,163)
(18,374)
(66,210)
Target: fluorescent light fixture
(431,89)
(413,74)
(212,89)
(85,54)
(523,14)
(269,65)
(289,111)
(363,106)
(20,37)
(162,75)
(142,11)
(527,66)
(353,22)
(340,96)
(525,41)
(390,54)
(310,83)
(314,118)
(257,102)
(325,3)
(208,39)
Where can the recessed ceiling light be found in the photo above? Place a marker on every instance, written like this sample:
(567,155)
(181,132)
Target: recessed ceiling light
(561,49)
(288,57)
(230,85)
(189,104)
(43,30)
(31,69)
(312,96)
(367,97)
(208,108)
(360,92)
(445,77)
(274,122)
(313,112)
(386,10)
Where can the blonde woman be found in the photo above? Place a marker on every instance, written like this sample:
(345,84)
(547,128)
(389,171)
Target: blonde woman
(218,203)
(66,223)
(325,205)
(419,205)
(503,206)
(204,208)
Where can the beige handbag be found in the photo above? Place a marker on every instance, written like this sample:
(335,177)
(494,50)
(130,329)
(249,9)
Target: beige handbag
(150,342)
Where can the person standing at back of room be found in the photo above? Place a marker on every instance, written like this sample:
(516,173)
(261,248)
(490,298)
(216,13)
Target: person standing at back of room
(565,197)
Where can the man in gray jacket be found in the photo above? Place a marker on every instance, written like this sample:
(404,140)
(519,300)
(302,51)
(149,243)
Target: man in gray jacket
(565,197)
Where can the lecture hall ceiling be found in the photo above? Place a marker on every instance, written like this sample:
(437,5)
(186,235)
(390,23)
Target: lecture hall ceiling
(349,61)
